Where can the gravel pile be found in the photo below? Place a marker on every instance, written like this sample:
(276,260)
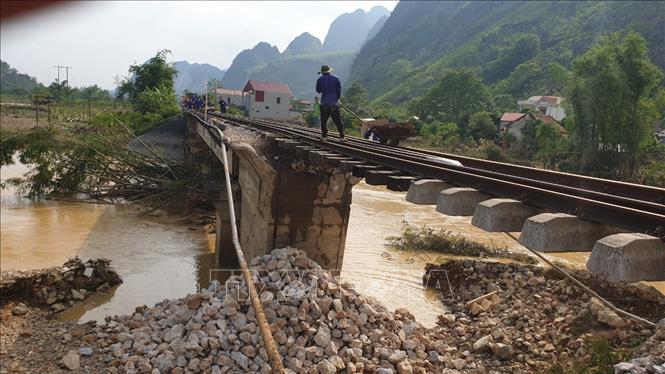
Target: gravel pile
(319,324)
(528,318)
(650,358)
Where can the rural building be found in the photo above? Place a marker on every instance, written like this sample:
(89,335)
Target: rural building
(661,136)
(267,99)
(232,97)
(513,123)
(303,105)
(548,105)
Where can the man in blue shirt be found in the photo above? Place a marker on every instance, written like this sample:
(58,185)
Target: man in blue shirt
(330,89)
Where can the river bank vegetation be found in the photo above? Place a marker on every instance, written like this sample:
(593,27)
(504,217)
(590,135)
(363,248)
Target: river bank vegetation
(89,155)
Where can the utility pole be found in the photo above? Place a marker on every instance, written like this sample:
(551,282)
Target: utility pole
(58,67)
(48,108)
(66,77)
(36,101)
(205,113)
(67,91)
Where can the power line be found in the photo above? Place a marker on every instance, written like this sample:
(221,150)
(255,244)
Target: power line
(66,78)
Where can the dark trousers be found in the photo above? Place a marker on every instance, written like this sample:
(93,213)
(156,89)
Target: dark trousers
(331,111)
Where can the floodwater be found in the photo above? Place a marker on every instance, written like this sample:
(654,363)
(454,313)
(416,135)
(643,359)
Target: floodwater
(156,258)
(160,259)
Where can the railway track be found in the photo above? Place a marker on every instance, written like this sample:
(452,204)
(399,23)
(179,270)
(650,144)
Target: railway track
(629,206)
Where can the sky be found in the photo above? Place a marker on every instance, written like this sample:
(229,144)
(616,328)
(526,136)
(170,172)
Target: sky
(100,40)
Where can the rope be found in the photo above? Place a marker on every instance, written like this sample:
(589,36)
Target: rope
(587,289)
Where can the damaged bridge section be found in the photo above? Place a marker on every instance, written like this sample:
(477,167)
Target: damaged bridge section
(282,196)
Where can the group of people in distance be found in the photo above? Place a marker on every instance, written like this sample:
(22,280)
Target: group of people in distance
(192,101)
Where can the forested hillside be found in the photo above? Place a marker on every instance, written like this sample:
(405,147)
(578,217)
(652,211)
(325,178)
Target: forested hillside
(13,82)
(520,48)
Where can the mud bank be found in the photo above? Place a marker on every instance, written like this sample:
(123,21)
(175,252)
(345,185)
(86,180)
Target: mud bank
(58,288)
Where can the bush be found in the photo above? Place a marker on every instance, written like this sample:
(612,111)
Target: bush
(481,126)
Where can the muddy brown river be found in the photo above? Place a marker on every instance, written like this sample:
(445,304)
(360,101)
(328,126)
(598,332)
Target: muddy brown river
(160,259)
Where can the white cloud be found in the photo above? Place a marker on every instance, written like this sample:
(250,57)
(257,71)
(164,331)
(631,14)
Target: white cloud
(101,39)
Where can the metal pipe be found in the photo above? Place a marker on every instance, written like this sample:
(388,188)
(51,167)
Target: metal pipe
(264,327)
(350,112)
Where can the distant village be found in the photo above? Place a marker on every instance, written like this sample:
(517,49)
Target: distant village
(274,100)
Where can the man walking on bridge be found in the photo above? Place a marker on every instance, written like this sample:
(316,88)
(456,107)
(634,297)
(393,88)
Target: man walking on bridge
(330,89)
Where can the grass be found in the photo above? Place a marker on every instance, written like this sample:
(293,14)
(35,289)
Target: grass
(602,358)
(423,238)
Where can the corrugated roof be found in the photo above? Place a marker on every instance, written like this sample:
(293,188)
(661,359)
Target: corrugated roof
(228,91)
(549,120)
(267,86)
(552,100)
(511,117)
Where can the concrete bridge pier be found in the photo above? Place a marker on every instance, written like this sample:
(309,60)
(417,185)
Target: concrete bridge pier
(309,211)
(287,201)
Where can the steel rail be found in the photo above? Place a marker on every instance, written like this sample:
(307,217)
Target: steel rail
(498,184)
(633,191)
(531,181)
(608,186)
(262,321)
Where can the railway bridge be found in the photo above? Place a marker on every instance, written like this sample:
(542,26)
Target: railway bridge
(293,189)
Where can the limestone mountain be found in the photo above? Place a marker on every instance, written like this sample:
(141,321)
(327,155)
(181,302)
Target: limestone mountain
(300,72)
(236,75)
(301,60)
(376,28)
(304,44)
(514,45)
(192,77)
(348,31)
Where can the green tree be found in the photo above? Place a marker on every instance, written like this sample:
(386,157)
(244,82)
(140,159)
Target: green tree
(355,98)
(532,78)
(459,94)
(550,144)
(529,141)
(441,134)
(481,126)
(155,73)
(58,90)
(612,99)
(13,82)
(522,48)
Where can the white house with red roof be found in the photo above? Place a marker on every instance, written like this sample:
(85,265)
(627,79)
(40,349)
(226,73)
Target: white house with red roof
(267,99)
(513,123)
(548,105)
(231,97)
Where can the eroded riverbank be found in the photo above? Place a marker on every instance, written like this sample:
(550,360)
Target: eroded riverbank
(160,259)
